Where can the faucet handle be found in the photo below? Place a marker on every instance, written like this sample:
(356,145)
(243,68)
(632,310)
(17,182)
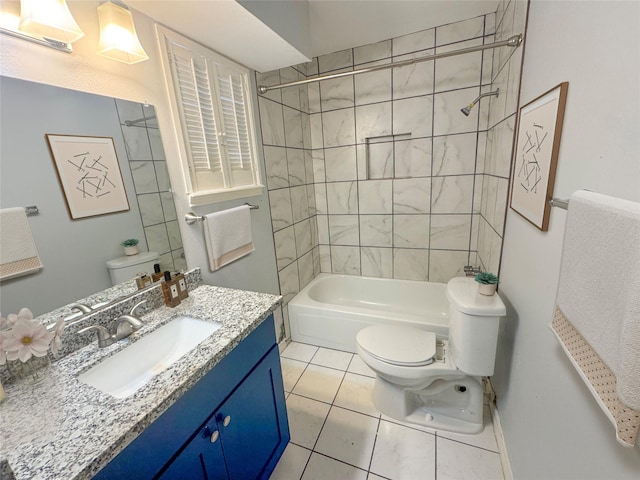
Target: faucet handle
(104,337)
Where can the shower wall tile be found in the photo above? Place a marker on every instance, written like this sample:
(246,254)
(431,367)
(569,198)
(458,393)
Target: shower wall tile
(340,164)
(455,32)
(168,206)
(269,79)
(450,232)
(155,141)
(336,93)
(412,195)
(299,203)
(413,42)
(373,121)
(335,61)
(271,122)
(157,238)
(290,95)
(324,252)
(285,244)
(306,132)
(373,87)
(162,175)
(411,264)
(447,117)
(375,196)
(452,194)
(305,269)
(281,209)
(411,231)
(296,167)
(454,154)
(344,230)
(461,71)
(376,262)
(293,127)
(289,282)
(313,93)
(339,128)
(321,198)
(502,195)
(311,199)
(128,110)
(303,236)
(315,128)
(317,157)
(136,141)
(372,52)
(413,158)
(342,198)
(490,24)
(144,177)
(323,229)
(150,209)
(376,230)
(446,264)
(380,163)
(512,91)
(345,260)
(173,232)
(413,80)
(413,116)
(275,159)
(487,61)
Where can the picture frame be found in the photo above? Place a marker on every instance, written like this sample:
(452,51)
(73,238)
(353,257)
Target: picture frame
(536,155)
(89,175)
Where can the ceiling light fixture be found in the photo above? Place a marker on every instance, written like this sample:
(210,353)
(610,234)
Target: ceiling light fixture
(118,39)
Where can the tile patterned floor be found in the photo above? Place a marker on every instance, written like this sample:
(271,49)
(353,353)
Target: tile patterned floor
(337,433)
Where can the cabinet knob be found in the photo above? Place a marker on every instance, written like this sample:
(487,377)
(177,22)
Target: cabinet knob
(214,436)
(226,421)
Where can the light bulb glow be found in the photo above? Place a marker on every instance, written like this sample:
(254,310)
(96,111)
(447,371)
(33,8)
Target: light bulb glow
(49,19)
(118,39)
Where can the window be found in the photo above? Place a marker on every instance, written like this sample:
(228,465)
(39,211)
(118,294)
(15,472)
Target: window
(210,99)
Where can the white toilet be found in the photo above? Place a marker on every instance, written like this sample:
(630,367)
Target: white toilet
(431,381)
(125,268)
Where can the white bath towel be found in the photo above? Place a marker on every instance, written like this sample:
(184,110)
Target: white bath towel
(599,288)
(228,236)
(18,252)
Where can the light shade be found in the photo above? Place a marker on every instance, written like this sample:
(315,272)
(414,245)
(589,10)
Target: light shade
(49,19)
(118,39)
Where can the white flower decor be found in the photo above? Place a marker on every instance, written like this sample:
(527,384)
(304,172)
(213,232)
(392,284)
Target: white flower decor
(22,337)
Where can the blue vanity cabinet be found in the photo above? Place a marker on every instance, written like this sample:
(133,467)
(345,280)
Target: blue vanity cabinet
(232,424)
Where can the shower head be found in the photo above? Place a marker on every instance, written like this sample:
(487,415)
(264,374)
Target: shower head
(467,110)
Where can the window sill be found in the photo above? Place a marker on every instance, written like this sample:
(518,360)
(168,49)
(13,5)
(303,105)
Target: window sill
(215,196)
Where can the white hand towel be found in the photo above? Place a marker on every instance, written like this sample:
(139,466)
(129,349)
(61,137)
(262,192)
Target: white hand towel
(599,278)
(228,236)
(18,253)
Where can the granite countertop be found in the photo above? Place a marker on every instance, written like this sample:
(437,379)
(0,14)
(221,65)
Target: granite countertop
(63,429)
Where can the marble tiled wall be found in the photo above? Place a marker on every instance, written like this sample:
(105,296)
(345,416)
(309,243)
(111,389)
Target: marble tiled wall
(506,67)
(151,180)
(380,174)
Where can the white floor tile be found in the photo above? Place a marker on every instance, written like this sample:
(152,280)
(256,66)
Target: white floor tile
(356,394)
(348,436)
(324,468)
(332,358)
(291,372)
(403,453)
(485,439)
(319,383)
(300,351)
(292,463)
(373,476)
(359,367)
(456,460)
(306,418)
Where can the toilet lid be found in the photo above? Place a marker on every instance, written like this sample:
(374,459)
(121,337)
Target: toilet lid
(398,345)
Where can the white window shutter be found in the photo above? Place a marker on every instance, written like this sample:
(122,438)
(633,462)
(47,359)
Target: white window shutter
(234,116)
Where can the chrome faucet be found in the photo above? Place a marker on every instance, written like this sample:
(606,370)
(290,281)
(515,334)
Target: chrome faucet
(81,307)
(125,325)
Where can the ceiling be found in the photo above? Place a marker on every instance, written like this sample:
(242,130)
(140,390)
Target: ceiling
(270,34)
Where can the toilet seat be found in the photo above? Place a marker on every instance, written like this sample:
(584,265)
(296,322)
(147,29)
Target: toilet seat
(398,345)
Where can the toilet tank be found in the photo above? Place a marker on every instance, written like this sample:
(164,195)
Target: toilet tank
(473,330)
(125,268)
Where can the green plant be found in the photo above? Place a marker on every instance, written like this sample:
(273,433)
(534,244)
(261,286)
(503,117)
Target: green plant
(130,242)
(486,278)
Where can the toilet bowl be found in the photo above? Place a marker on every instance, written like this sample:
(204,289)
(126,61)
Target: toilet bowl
(433,381)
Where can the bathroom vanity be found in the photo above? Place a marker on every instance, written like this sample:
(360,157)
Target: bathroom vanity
(217,412)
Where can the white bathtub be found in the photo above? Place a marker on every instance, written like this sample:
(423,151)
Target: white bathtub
(332,309)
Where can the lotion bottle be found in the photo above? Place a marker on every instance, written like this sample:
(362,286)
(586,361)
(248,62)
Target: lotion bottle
(170,291)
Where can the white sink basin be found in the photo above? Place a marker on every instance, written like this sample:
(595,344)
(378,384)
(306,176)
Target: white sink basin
(122,374)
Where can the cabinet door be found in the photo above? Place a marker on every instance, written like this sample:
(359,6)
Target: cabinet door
(252,421)
(202,459)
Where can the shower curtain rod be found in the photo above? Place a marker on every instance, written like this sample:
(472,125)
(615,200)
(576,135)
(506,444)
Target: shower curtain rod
(513,41)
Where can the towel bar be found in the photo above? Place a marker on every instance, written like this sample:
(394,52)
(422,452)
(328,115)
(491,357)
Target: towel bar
(556,202)
(192,218)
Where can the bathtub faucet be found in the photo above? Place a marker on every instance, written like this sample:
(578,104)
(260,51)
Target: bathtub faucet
(471,271)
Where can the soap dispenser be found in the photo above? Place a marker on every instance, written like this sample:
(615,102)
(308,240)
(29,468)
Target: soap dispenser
(170,291)
(157,274)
